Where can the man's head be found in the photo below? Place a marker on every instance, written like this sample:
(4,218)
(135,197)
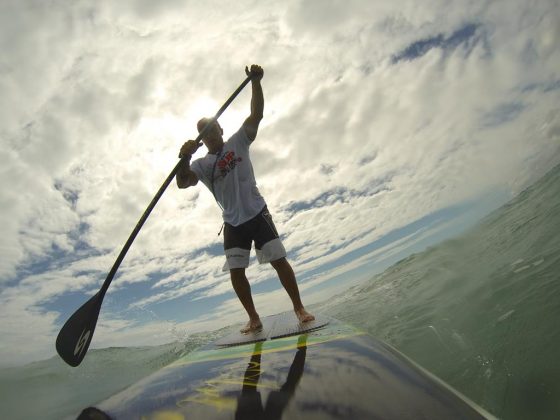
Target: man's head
(212,139)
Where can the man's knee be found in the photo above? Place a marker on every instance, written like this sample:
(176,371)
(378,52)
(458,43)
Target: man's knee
(280,263)
(237,274)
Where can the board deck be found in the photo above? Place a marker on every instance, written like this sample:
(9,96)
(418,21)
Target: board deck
(274,326)
(333,372)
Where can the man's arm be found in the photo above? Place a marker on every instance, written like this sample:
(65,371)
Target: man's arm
(251,124)
(185,177)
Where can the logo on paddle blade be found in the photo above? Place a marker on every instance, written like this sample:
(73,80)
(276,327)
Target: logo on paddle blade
(81,344)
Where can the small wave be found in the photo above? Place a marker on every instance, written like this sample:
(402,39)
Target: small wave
(103,373)
(506,315)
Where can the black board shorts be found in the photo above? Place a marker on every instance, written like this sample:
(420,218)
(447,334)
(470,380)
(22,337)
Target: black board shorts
(238,241)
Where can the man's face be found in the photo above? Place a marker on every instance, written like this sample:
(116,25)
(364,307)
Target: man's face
(213,135)
(215,130)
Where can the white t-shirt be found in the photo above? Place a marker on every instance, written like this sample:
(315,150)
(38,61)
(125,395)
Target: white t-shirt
(235,187)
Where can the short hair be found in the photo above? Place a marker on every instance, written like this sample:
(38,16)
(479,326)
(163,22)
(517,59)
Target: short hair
(203,122)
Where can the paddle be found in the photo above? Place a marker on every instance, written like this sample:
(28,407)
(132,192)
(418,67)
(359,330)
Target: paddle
(75,336)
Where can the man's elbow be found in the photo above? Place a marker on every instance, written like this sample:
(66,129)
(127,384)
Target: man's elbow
(183,183)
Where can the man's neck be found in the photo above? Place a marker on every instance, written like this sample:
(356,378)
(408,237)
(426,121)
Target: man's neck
(216,151)
(216,148)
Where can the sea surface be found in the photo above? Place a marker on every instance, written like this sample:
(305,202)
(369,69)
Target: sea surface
(481,311)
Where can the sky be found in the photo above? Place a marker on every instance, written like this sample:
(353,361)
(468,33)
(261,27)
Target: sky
(388,126)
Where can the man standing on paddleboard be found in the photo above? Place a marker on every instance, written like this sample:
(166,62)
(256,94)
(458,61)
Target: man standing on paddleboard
(228,173)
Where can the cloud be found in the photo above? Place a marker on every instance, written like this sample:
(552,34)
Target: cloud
(376,115)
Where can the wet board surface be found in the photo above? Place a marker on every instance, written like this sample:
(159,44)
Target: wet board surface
(275,326)
(334,372)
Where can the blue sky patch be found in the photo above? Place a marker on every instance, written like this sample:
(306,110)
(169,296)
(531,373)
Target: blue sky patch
(503,113)
(417,49)
(545,87)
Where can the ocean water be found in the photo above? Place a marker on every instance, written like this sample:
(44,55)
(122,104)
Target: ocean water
(481,311)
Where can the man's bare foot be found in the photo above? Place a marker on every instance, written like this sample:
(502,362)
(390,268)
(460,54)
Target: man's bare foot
(254,325)
(303,315)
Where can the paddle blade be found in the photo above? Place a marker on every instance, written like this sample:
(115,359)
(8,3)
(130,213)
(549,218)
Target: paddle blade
(75,336)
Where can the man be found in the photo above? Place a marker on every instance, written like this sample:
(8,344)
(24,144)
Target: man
(227,172)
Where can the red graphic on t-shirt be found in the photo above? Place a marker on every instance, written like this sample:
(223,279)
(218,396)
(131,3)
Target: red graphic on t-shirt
(228,163)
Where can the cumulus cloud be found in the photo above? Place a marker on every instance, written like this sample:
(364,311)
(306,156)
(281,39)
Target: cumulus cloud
(376,115)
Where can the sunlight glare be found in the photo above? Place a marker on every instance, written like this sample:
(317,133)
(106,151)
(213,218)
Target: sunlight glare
(167,132)
(230,120)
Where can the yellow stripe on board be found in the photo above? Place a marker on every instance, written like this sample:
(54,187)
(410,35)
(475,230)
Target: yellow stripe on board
(276,345)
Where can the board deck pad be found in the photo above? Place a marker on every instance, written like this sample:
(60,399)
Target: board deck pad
(275,326)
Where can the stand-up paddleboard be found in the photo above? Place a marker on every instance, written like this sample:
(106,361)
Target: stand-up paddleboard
(319,370)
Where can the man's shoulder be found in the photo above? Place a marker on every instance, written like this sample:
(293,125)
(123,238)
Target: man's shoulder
(197,162)
(239,137)
(198,165)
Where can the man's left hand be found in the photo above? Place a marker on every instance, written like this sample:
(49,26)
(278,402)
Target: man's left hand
(256,71)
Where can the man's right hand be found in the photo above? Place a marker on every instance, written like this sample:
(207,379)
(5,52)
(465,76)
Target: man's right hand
(185,177)
(188,148)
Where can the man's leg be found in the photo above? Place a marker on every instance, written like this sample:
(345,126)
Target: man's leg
(288,280)
(243,291)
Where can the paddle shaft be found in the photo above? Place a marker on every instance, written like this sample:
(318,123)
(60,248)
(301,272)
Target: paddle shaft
(160,192)
(75,336)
